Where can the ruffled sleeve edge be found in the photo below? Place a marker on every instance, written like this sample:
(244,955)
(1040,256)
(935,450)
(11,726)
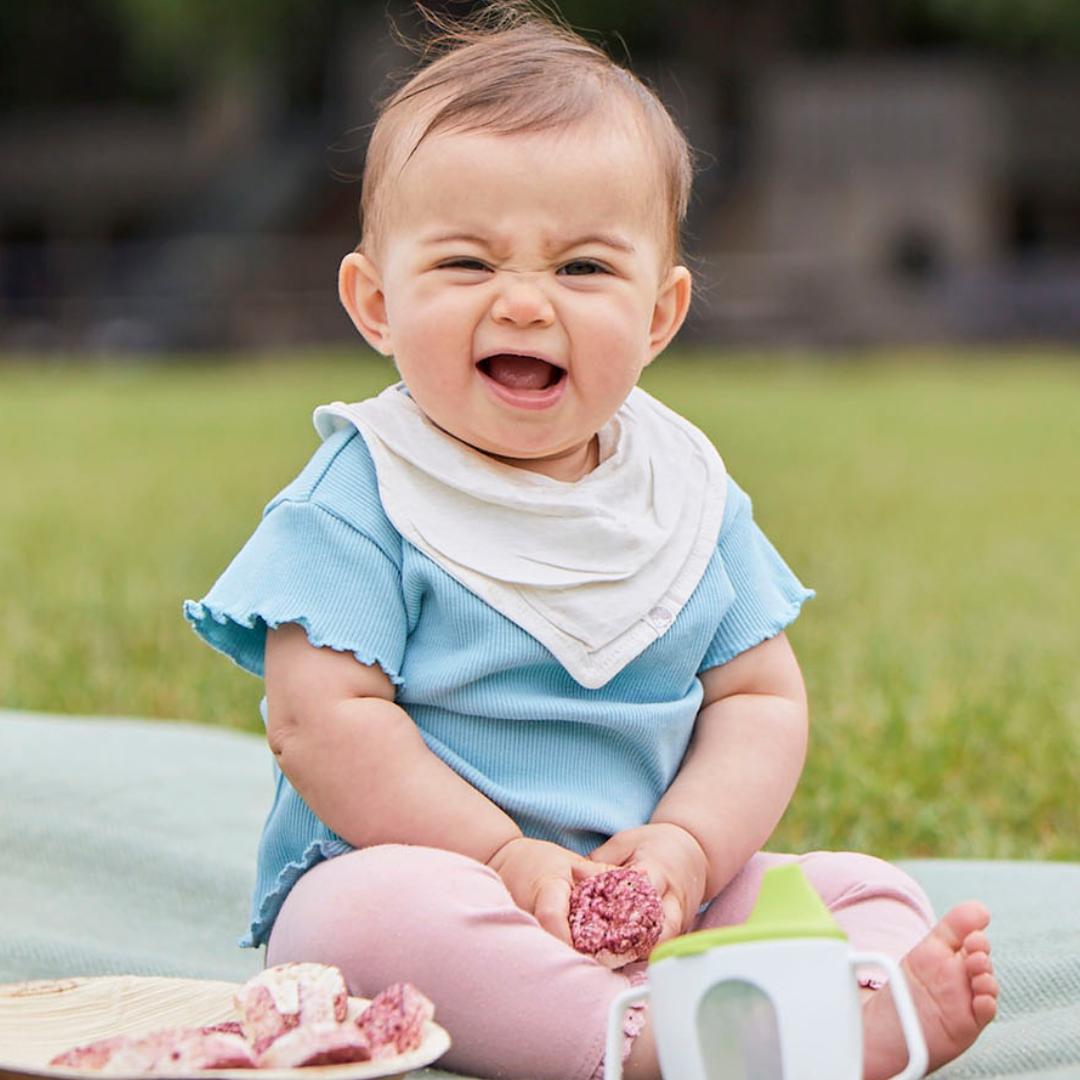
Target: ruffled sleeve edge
(770,626)
(198,612)
(263,920)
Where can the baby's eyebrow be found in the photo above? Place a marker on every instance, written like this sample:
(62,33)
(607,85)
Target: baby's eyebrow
(611,240)
(556,246)
(455,237)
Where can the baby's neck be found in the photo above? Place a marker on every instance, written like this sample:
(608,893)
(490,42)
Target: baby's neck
(567,466)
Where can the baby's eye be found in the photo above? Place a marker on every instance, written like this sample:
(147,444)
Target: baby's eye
(583,266)
(462,264)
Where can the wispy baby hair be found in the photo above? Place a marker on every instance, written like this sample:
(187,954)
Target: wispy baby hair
(512,68)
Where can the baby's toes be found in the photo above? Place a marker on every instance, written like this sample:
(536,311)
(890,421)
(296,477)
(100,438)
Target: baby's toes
(960,923)
(976,942)
(978,963)
(984,994)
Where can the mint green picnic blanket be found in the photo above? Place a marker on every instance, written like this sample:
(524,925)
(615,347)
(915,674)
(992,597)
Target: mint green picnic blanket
(128,847)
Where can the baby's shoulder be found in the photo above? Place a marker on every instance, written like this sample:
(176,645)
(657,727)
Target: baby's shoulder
(342,457)
(340,479)
(737,505)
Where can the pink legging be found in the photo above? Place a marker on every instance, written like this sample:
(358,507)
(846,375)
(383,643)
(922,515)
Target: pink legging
(517,1001)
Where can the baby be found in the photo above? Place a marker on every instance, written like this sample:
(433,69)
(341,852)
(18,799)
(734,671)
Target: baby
(516,623)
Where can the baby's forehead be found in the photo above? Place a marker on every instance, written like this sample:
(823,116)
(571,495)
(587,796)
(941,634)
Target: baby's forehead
(611,138)
(607,161)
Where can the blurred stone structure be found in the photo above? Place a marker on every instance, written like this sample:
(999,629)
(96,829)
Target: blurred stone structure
(134,231)
(908,201)
(904,201)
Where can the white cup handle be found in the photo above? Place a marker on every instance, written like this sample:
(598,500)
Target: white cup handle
(905,1007)
(615,1027)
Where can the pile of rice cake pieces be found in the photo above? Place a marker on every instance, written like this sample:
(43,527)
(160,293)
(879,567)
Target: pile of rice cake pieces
(288,1016)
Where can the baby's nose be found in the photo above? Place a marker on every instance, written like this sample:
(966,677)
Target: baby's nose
(520,302)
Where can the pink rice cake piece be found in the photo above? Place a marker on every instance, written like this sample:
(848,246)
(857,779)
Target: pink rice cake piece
(316,1044)
(228,1027)
(179,1051)
(616,917)
(284,997)
(394,1021)
(92,1056)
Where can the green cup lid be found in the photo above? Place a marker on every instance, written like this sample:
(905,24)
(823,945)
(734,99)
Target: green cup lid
(786,907)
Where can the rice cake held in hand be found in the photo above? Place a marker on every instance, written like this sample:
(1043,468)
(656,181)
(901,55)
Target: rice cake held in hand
(616,917)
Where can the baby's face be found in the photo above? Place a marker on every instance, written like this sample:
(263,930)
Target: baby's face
(521,283)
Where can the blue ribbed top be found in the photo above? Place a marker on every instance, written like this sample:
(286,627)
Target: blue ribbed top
(569,764)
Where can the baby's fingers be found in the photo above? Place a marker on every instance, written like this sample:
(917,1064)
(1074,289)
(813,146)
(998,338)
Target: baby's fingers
(552,908)
(614,851)
(673,916)
(670,900)
(584,869)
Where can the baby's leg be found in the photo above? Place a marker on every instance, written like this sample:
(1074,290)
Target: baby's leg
(881,909)
(516,1001)
(878,906)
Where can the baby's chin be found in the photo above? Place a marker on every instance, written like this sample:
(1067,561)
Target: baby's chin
(530,460)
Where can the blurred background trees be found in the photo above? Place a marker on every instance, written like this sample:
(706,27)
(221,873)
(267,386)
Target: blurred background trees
(175,173)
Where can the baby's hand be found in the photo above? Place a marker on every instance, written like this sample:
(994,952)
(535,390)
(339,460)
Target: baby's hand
(672,860)
(540,877)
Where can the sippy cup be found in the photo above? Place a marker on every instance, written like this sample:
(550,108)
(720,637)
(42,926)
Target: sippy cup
(774,999)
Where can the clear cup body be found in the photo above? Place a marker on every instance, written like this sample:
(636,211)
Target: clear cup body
(785,1009)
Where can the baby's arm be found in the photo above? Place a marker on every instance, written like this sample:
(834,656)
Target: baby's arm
(358,760)
(736,779)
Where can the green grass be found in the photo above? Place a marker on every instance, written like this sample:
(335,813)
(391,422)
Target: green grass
(930,499)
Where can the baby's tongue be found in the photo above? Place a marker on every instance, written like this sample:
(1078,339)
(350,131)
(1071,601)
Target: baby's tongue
(520,372)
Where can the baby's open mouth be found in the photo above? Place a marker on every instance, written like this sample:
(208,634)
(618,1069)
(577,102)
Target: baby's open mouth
(521,372)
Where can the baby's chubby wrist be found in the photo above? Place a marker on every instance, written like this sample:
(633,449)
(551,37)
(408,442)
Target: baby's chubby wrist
(498,856)
(681,835)
(682,845)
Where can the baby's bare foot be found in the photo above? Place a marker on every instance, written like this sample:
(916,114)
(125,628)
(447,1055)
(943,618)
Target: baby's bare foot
(954,990)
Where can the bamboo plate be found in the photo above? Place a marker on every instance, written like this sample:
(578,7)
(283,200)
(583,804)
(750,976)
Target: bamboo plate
(41,1019)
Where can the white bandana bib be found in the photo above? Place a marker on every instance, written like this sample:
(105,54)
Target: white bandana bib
(594,570)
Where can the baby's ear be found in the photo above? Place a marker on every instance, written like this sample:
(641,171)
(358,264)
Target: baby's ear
(360,289)
(669,312)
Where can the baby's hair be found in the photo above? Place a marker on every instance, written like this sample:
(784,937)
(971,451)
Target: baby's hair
(511,68)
